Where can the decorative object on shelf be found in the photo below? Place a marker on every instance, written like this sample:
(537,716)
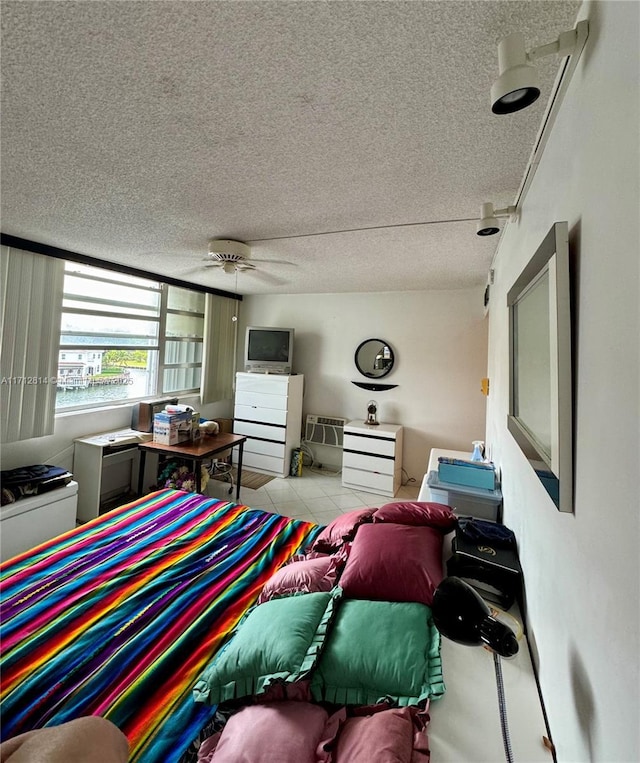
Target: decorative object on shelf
(372,413)
(180,477)
(478,450)
(461,615)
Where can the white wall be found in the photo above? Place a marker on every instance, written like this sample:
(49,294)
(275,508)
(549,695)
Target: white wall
(440,342)
(581,569)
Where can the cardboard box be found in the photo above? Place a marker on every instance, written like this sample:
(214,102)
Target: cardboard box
(172,428)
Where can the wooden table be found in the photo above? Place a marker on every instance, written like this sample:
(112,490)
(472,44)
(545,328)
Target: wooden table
(197,452)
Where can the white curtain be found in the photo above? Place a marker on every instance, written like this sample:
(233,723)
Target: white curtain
(30,338)
(219,359)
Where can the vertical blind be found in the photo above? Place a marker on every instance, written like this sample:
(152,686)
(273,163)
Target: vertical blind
(219,362)
(31,308)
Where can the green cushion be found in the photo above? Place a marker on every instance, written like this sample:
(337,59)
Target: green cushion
(278,640)
(377,650)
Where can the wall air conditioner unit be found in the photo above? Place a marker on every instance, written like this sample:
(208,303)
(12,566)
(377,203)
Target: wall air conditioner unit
(324,430)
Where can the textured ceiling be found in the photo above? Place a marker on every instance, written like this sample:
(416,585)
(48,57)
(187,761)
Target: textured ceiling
(353,140)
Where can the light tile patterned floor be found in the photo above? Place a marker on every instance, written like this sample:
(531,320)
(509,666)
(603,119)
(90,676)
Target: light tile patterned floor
(317,496)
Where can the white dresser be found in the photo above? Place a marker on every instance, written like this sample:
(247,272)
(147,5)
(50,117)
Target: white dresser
(372,457)
(268,410)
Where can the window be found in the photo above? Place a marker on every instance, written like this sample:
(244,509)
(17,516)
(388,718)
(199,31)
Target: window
(131,337)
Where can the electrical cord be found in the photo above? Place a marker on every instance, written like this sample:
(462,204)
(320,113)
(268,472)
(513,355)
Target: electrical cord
(502,707)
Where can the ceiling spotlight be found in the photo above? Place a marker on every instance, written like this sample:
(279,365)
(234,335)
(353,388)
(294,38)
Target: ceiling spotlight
(517,86)
(488,224)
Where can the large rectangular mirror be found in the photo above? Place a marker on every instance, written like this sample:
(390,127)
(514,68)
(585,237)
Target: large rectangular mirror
(540,399)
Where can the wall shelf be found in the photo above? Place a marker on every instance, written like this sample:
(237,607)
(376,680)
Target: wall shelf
(373,386)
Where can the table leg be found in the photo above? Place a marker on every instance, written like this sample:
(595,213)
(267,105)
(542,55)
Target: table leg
(197,468)
(143,458)
(239,475)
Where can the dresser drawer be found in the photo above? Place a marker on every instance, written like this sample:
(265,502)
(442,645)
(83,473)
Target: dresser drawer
(364,444)
(266,415)
(367,463)
(263,431)
(263,383)
(263,463)
(262,400)
(368,481)
(264,448)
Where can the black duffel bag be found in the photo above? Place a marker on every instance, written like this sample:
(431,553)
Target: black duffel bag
(32,480)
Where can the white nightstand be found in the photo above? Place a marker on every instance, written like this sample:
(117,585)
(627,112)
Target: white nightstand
(372,457)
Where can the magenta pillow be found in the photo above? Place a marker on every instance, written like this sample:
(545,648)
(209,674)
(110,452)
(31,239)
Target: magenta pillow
(286,732)
(392,562)
(417,513)
(307,576)
(394,736)
(341,529)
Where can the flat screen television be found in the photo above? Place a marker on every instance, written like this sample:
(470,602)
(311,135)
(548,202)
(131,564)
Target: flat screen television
(268,350)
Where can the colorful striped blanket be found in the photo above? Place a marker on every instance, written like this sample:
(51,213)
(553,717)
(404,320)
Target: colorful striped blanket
(118,617)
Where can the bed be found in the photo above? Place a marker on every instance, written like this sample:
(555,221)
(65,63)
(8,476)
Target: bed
(118,617)
(132,616)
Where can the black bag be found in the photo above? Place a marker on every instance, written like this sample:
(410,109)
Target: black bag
(481,531)
(487,559)
(32,480)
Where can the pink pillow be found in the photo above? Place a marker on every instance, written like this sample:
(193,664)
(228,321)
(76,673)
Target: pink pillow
(307,576)
(394,736)
(286,732)
(392,562)
(417,513)
(341,529)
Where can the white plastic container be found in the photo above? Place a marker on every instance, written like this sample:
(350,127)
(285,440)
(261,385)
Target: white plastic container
(30,521)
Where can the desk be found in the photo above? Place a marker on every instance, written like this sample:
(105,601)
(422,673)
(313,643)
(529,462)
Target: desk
(197,452)
(105,466)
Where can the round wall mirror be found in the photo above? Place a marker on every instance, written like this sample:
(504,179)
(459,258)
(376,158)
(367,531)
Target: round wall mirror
(374,358)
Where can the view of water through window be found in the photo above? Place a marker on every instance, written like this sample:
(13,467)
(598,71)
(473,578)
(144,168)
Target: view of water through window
(136,386)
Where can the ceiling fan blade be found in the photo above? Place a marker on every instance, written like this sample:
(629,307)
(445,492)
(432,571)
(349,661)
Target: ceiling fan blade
(275,262)
(268,277)
(245,266)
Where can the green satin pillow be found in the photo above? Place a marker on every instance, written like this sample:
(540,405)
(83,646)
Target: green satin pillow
(378,650)
(279,640)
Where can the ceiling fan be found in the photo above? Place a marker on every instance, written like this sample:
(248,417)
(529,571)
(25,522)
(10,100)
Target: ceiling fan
(232,256)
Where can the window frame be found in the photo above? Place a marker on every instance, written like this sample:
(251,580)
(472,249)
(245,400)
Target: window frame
(154,314)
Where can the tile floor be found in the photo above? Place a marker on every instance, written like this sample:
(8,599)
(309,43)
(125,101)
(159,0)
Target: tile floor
(316,496)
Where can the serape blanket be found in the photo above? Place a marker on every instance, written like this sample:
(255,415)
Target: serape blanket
(119,617)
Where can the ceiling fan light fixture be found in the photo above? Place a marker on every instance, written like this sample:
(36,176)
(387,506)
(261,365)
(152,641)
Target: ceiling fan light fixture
(226,248)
